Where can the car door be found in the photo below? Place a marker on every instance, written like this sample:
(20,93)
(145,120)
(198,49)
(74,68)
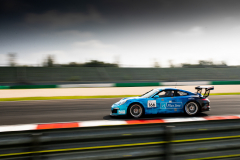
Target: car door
(164,100)
(180,98)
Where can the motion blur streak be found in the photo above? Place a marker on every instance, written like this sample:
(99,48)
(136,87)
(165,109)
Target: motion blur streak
(134,144)
(25,112)
(216,157)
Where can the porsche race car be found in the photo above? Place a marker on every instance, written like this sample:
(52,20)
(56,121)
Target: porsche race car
(164,101)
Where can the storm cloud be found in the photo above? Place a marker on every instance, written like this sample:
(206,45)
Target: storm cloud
(146,31)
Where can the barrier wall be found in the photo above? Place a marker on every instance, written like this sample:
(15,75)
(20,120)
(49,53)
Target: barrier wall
(108,74)
(196,138)
(101,85)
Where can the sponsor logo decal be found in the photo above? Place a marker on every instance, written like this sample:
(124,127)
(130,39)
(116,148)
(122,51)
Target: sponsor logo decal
(173,105)
(121,112)
(152,104)
(163,105)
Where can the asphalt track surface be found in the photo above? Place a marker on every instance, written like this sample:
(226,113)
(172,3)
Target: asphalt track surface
(26,112)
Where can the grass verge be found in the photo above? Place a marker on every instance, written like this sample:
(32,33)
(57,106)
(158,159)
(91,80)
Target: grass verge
(64,97)
(86,97)
(235,93)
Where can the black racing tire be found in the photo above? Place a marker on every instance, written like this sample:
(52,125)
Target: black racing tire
(191,108)
(135,110)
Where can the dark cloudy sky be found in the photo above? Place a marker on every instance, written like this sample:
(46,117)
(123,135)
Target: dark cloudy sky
(136,33)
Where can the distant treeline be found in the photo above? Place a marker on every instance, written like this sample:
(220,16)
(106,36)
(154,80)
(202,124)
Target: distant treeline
(49,62)
(93,63)
(205,64)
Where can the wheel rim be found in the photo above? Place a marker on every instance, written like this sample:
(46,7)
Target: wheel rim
(136,110)
(191,108)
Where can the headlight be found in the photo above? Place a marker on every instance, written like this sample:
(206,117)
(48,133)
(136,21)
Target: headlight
(122,101)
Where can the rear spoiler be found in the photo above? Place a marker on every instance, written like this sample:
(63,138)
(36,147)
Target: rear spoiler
(207,90)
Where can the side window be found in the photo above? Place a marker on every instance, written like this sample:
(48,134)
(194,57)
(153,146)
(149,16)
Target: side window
(180,93)
(166,93)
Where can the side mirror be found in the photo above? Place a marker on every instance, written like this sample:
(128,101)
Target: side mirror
(156,96)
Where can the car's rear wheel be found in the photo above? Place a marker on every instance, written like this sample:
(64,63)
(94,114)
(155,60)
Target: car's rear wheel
(191,108)
(136,110)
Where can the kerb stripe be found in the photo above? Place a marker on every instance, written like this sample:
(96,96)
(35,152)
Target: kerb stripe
(57,125)
(145,121)
(221,117)
(24,127)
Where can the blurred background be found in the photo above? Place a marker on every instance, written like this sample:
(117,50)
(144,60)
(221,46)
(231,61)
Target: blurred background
(118,40)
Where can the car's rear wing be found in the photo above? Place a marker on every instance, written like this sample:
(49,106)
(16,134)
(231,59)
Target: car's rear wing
(207,90)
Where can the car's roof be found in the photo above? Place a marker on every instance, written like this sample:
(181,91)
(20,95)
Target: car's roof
(164,88)
(168,88)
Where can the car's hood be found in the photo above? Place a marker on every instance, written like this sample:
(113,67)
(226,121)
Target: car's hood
(129,98)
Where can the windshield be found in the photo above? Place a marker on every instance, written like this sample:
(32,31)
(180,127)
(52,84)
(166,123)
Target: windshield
(149,94)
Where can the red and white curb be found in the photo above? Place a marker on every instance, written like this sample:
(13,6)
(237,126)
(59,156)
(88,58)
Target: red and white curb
(26,127)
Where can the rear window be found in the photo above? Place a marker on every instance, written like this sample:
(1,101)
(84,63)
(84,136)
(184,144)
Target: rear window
(180,93)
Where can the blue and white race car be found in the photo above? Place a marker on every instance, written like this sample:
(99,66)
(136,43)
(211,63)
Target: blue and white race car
(163,101)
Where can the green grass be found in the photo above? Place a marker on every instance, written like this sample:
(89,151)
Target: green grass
(235,93)
(64,97)
(87,97)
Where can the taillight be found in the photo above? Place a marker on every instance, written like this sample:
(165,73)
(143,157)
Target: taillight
(205,99)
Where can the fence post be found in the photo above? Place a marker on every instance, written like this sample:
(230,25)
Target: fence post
(168,146)
(36,146)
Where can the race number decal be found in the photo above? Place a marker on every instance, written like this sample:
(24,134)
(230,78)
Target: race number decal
(152,104)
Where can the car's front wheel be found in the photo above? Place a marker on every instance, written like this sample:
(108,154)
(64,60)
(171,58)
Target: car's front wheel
(136,110)
(191,108)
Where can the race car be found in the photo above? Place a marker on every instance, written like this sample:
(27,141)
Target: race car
(164,101)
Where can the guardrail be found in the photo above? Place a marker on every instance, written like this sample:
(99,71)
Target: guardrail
(193,140)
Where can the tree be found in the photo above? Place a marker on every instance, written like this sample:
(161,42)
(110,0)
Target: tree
(49,62)
(73,64)
(95,63)
(12,59)
(205,63)
(156,64)
(223,63)
(171,64)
